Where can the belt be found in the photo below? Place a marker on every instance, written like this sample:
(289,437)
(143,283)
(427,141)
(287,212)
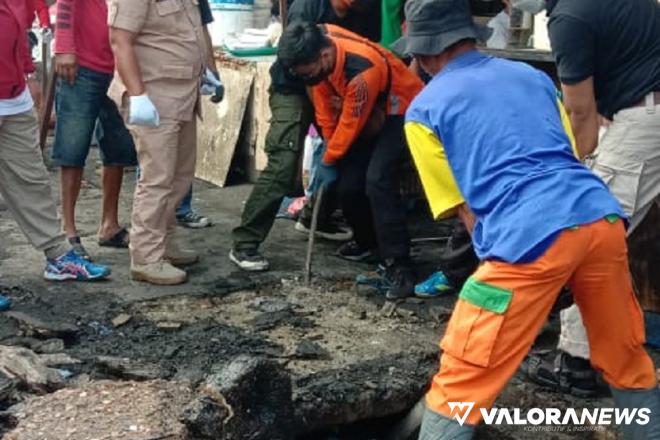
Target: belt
(655,99)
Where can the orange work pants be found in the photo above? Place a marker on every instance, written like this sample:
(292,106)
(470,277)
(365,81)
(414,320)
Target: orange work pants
(502,308)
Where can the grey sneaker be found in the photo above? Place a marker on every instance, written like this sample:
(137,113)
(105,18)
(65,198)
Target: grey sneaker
(328,231)
(194,220)
(249,259)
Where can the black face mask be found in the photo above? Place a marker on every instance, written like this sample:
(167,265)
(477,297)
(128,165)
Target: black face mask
(314,80)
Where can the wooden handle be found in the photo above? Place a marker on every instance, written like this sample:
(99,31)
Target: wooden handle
(283,12)
(47,109)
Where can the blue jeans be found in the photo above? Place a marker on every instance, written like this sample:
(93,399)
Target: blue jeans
(79,106)
(185,207)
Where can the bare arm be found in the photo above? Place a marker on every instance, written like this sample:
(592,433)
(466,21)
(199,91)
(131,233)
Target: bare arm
(210,55)
(127,64)
(466,216)
(580,103)
(66,59)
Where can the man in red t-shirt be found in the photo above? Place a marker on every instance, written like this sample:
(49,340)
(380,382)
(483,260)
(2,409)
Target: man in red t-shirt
(24,181)
(85,65)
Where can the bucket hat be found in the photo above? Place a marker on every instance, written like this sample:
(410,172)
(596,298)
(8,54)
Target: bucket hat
(434,25)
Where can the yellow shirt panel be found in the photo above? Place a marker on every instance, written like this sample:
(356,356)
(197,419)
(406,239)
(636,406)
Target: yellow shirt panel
(566,122)
(434,171)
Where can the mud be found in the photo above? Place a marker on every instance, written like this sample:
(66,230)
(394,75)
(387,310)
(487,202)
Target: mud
(334,361)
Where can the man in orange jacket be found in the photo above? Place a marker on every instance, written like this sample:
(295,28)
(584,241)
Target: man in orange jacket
(360,93)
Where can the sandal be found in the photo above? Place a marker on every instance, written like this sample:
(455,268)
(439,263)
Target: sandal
(79,248)
(120,240)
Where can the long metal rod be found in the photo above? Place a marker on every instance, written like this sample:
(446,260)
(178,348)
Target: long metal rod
(318,199)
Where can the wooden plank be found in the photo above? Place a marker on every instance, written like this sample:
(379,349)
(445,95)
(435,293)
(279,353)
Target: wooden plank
(262,113)
(644,250)
(218,134)
(535,55)
(284,13)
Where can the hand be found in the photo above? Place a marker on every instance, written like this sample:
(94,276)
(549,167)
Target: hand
(336,103)
(211,85)
(327,174)
(66,66)
(143,112)
(35,91)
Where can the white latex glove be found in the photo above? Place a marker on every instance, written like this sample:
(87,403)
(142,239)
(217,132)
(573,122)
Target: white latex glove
(143,112)
(211,85)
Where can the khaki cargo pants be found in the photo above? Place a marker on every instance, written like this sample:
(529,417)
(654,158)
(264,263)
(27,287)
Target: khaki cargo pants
(167,165)
(24,181)
(628,161)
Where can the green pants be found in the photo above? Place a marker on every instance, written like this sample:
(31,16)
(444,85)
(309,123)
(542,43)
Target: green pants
(291,116)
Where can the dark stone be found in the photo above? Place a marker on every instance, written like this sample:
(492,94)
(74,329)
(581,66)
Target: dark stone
(171,351)
(131,370)
(49,346)
(7,391)
(372,389)
(46,329)
(270,305)
(440,314)
(311,350)
(21,341)
(204,418)
(250,398)
(270,320)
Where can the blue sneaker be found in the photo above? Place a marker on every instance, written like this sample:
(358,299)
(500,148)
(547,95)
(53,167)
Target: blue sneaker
(5,303)
(72,266)
(434,286)
(376,280)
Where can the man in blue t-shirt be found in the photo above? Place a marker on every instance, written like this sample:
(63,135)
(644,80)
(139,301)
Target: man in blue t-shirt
(492,143)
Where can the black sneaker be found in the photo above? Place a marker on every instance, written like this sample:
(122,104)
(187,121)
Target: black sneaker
(566,374)
(402,281)
(327,230)
(249,259)
(352,251)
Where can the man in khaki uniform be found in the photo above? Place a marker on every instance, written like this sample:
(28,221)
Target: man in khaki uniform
(161,54)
